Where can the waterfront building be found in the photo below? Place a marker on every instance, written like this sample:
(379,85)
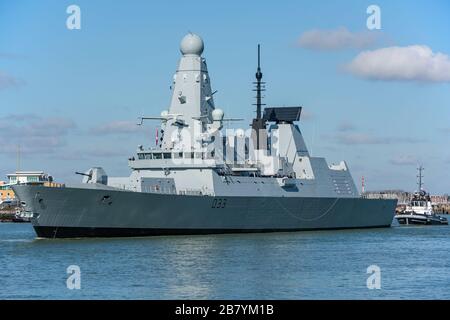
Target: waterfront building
(6,192)
(440,199)
(28,177)
(24,177)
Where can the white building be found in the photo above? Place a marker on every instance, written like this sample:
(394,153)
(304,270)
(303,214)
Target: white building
(440,199)
(28,177)
(34,177)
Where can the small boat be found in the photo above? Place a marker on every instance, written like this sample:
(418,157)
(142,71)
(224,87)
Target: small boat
(419,210)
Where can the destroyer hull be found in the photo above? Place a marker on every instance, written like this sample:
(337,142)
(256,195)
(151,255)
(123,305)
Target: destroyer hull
(78,212)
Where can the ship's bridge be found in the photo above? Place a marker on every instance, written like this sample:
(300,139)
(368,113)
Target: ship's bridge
(157,159)
(159,155)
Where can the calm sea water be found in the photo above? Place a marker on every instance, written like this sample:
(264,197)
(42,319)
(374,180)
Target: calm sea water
(414,262)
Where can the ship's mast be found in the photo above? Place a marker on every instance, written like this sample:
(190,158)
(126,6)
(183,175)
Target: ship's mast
(258,123)
(420,176)
(259,85)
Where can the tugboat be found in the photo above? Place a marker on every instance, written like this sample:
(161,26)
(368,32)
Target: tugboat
(419,210)
(21,216)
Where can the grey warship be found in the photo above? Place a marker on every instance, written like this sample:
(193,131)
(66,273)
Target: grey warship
(200,180)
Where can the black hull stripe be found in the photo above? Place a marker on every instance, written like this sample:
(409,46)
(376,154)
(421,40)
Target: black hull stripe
(81,232)
(421,222)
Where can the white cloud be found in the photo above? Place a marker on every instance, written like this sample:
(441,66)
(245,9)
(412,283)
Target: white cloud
(404,160)
(346,126)
(337,39)
(411,63)
(7,81)
(50,127)
(33,133)
(348,134)
(116,127)
(106,153)
(359,138)
(90,153)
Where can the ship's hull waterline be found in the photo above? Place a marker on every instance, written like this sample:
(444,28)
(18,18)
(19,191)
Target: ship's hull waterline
(78,212)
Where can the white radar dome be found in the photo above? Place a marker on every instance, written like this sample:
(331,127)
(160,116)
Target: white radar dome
(191,44)
(217,115)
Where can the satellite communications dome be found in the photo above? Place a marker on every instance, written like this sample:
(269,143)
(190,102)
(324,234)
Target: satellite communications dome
(217,115)
(191,44)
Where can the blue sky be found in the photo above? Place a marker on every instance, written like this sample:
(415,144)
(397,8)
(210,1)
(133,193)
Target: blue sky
(69,97)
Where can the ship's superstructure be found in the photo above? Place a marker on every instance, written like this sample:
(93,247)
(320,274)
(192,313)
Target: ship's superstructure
(196,158)
(200,179)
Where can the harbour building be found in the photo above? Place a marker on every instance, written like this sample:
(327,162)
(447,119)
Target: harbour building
(24,177)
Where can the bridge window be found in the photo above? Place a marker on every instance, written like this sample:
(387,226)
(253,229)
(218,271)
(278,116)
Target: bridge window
(167,155)
(178,155)
(157,156)
(189,155)
(148,156)
(33,179)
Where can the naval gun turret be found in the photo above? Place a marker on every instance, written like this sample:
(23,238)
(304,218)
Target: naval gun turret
(94,175)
